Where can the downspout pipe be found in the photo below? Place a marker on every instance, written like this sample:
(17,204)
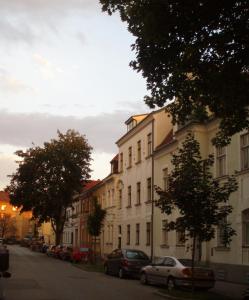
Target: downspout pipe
(152,196)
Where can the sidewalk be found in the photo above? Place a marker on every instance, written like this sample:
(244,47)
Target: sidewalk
(232,290)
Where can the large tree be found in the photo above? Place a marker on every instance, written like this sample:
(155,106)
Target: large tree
(195,52)
(201,200)
(48,177)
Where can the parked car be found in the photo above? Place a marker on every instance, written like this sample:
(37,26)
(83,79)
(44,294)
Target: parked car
(66,253)
(175,272)
(51,250)
(57,251)
(82,254)
(125,262)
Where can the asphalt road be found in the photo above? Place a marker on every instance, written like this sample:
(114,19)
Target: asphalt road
(38,277)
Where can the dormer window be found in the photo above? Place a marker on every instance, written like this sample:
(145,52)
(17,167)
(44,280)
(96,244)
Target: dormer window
(131,124)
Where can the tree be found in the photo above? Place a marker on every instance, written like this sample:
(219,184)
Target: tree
(200,199)
(7,226)
(194,51)
(95,222)
(48,177)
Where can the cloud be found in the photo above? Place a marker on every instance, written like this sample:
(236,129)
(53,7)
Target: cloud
(47,69)
(8,166)
(102,131)
(28,20)
(10,84)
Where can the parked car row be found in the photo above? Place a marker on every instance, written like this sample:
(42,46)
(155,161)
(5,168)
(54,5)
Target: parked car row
(77,254)
(166,270)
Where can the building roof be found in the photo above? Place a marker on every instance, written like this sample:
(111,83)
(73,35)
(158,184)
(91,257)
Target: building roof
(90,184)
(4,196)
(168,139)
(115,158)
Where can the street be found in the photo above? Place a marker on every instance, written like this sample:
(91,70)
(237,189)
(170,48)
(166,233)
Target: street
(38,277)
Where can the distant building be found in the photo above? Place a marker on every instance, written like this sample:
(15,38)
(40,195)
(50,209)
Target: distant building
(24,224)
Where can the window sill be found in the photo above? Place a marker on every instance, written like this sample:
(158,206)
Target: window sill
(129,206)
(148,156)
(109,244)
(128,167)
(180,245)
(222,248)
(138,204)
(241,172)
(222,177)
(165,246)
(148,202)
(138,162)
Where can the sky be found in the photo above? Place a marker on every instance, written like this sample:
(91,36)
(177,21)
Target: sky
(64,65)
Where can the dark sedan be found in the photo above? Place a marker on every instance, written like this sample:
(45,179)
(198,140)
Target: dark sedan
(126,262)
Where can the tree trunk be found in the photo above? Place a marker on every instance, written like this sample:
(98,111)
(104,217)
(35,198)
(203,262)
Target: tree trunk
(193,264)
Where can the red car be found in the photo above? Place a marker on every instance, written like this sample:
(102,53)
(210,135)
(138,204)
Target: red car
(82,254)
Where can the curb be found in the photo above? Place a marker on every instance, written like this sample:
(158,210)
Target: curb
(166,296)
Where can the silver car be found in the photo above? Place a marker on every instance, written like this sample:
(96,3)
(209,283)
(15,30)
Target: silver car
(175,272)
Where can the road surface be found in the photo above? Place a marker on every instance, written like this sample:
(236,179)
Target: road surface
(38,277)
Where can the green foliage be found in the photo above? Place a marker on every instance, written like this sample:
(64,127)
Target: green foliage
(95,220)
(195,51)
(201,200)
(47,178)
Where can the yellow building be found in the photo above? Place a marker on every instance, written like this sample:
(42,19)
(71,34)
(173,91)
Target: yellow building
(23,223)
(231,263)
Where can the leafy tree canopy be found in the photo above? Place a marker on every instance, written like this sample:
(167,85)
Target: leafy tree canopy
(194,51)
(48,177)
(95,220)
(200,199)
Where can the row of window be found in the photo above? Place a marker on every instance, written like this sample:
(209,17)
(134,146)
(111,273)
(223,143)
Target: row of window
(138,154)
(137,236)
(221,156)
(138,194)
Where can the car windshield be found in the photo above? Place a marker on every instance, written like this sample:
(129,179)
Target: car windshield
(136,254)
(188,263)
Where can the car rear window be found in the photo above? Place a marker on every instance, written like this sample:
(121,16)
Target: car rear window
(136,255)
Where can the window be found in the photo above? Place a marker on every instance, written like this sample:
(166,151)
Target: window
(164,233)
(119,229)
(138,193)
(148,233)
(245,228)
(138,151)
(129,157)
(165,179)
(221,161)
(120,199)
(244,140)
(112,198)
(221,233)
(137,234)
(149,144)
(148,189)
(180,237)
(128,241)
(121,162)
(129,196)
(108,198)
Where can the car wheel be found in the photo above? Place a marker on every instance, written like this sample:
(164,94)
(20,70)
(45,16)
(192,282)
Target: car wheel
(171,283)
(106,270)
(143,278)
(121,274)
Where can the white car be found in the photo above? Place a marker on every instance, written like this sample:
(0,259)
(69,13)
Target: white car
(175,272)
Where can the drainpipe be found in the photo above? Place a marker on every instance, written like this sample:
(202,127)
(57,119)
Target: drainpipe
(152,196)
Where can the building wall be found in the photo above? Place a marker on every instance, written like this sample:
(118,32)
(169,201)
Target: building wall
(131,213)
(225,260)
(23,222)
